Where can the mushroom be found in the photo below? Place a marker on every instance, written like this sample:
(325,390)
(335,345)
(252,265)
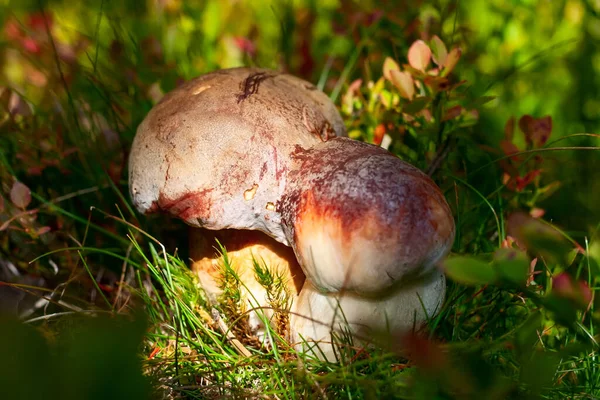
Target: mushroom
(252,149)
(215,153)
(368,230)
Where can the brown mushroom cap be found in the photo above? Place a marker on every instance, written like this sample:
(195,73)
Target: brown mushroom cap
(215,151)
(362,220)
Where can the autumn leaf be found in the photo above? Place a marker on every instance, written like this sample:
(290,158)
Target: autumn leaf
(437,83)
(20,195)
(526,126)
(565,286)
(389,65)
(419,55)
(451,60)
(378,134)
(404,83)
(452,113)
(542,129)
(523,182)
(425,353)
(509,149)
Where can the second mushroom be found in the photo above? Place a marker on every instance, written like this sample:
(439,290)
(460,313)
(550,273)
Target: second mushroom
(250,149)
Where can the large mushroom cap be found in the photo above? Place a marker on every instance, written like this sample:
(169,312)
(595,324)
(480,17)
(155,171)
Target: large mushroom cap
(362,220)
(215,151)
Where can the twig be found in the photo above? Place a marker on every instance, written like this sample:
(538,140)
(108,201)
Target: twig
(439,157)
(229,334)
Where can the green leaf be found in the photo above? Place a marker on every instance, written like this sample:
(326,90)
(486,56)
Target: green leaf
(469,270)
(439,51)
(416,105)
(539,237)
(527,335)
(539,370)
(562,308)
(512,265)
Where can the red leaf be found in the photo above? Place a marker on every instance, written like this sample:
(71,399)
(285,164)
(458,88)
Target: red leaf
(585,292)
(542,129)
(437,83)
(562,284)
(154,352)
(245,45)
(565,286)
(419,55)
(425,353)
(12,30)
(37,21)
(532,271)
(527,179)
(439,51)
(378,134)
(526,126)
(31,45)
(452,113)
(509,148)
(20,195)
(536,131)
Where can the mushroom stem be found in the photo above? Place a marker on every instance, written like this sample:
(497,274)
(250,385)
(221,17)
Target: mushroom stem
(318,319)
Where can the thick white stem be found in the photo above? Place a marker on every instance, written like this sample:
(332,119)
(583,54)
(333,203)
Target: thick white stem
(316,315)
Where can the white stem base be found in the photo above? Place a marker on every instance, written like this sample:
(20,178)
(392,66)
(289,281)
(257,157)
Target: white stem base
(316,315)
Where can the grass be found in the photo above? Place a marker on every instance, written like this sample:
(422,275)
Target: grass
(507,329)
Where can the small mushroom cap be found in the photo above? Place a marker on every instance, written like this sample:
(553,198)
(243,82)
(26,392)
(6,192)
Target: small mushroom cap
(362,220)
(315,314)
(215,151)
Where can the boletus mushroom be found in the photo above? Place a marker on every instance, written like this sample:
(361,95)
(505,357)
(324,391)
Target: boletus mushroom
(259,158)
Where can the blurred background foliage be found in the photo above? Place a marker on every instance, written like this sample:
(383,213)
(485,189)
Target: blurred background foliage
(534,57)
(78,77)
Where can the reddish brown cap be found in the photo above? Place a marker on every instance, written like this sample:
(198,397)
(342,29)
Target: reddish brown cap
(360,219)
